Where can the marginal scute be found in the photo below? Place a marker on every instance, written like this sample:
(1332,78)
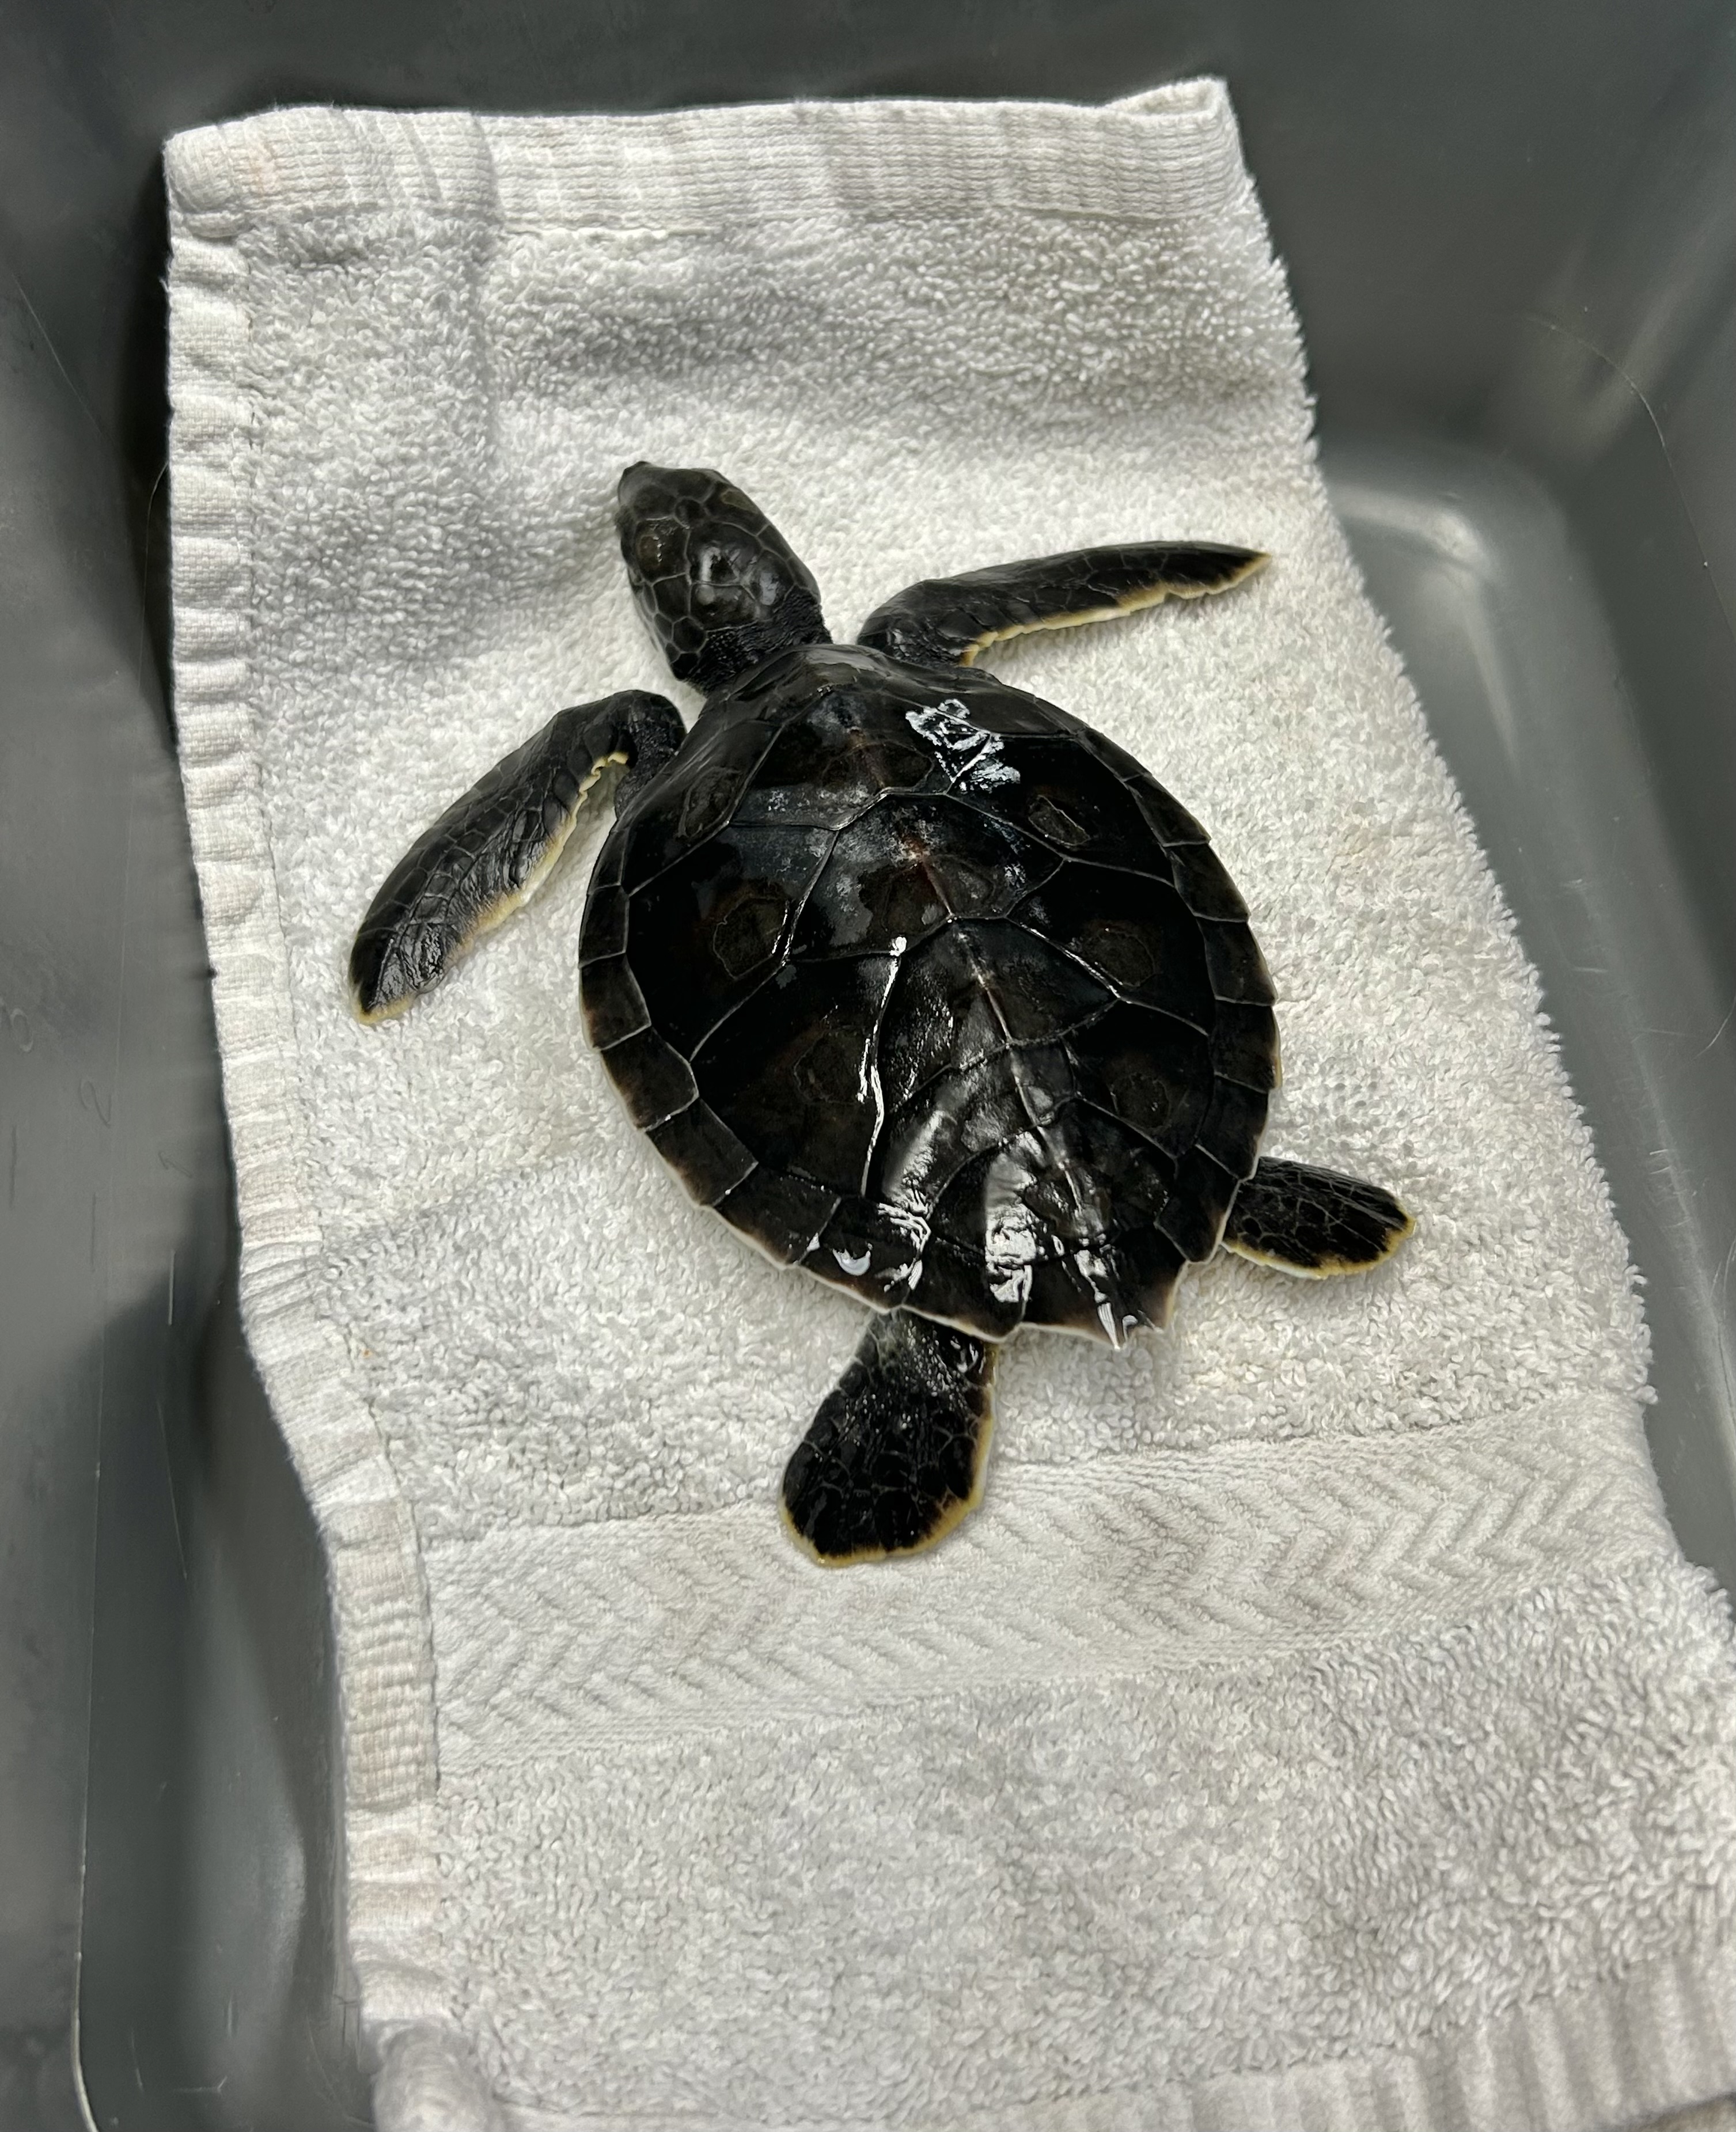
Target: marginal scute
(1233,961)
(1206,888)
(1244,1043)
(614,1006)
(605,929)
(1194,1218)
(782,1212)
(1234,1119)
(707,1157)
(1170,821)
(655,1080)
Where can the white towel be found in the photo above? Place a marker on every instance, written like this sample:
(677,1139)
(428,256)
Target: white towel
(1316,1725)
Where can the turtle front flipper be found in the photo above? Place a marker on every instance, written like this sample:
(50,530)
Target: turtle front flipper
(1314,1221)
(894,1457)
(492,850)
(946,621)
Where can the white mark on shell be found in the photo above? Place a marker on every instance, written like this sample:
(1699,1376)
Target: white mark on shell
(945,726)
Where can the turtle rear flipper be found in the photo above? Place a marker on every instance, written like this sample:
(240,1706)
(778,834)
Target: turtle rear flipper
(494,849)
(1314,1221)
(894,1457)
(946,621)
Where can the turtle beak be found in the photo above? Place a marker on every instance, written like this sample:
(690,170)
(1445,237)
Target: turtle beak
(640,481)
(646,487)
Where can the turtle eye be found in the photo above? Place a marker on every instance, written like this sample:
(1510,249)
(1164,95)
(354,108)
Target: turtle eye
(653,547)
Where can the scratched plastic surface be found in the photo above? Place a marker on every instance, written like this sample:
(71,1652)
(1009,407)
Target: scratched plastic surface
(1512,237)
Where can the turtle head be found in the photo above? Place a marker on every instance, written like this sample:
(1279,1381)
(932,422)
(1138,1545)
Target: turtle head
(719,584)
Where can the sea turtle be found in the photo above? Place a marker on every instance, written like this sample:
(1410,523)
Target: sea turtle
(921,984)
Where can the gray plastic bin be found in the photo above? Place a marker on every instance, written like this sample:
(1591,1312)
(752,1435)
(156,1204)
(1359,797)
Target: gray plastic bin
(1512,233)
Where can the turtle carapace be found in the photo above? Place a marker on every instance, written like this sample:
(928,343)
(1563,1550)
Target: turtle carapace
(922,985)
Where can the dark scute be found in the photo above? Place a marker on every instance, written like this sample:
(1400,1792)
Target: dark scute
(614,1006)
(1090,1176)
(747,929)
(1150,1266)
(987,702)
(790,1075)
(1171,821)
(708,797)
(1004,1197)
(765,691)
(1206,889)
(1054,787)
(1149,1070)
(1245,1043)
(693,798)
(1234,1120)
(1194,1219)
(606,870)
(985,1202)
(1233,961)
(603,929)
(1134,930)
(705,932)
(963,1114)
(969,992)
(654,1081)
(781,1213)
(703,1152)
(894,1452)
(850,666)
(836,759)
(1051,820)
(1062,1296)
(831,1062)
(953,1286)
(908,865)
(1006,712)
(1128,1283)
(1065,1295)
(1120,949)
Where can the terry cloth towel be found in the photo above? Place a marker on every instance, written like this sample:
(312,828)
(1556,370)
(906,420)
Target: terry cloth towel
(1316,1726)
